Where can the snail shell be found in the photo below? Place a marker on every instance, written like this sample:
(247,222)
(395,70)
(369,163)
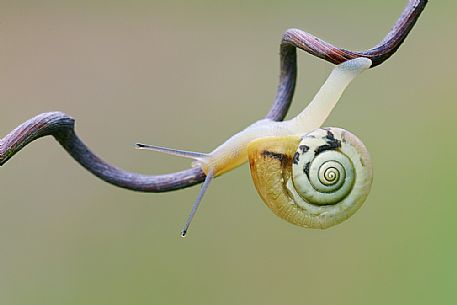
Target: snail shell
(315,181)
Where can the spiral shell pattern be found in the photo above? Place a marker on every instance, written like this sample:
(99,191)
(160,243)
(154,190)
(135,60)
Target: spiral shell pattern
(316,181)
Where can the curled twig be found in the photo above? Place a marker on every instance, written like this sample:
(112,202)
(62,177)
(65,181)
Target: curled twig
(294,38)
(61,126)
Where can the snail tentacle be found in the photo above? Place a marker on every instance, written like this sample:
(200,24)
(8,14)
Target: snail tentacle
(198,157)
(171,151)
(203,189)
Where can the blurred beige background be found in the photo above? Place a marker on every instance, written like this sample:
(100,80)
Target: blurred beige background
(188,74)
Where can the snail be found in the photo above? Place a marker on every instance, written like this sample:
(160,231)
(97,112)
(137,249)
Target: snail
(309,176)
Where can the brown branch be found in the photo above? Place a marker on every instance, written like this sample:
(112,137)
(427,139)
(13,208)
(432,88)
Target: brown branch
(61,126)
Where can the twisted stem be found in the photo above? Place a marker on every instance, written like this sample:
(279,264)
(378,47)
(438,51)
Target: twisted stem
(295,38)
(61,126)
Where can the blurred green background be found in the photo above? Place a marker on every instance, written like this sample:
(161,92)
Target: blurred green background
(188,74)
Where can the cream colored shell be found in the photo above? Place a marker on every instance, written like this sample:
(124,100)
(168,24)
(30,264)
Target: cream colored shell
(297,189)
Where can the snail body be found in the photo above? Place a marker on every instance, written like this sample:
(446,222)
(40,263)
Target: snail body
(289,177)
(233,152)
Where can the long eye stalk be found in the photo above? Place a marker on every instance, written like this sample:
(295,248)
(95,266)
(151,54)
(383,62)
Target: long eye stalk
(186,154)
(203,189)
(170,151)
